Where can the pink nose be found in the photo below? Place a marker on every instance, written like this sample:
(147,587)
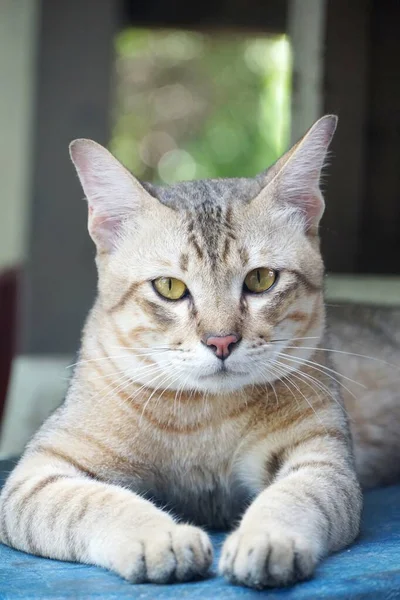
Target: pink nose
(222,345)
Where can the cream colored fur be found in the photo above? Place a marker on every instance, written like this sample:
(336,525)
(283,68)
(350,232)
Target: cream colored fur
(153,419)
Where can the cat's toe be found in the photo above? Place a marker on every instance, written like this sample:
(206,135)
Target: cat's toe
(193,552)
(266,559)
(177,553)
(130,562)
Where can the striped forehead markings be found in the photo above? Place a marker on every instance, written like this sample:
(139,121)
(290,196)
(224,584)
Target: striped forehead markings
(210,231)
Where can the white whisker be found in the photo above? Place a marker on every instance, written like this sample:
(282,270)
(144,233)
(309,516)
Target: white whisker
(163,382)
(343,352)
(323,368)
(322,387)
(303,395)
(109,358)
(312,337)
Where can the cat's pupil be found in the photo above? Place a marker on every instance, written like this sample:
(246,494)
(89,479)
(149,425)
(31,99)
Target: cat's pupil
(170,284)
(258,276)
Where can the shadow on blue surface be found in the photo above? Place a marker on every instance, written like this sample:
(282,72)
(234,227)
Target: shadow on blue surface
(369,569)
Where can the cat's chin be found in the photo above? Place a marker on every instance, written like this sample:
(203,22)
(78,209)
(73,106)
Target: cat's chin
(223,381)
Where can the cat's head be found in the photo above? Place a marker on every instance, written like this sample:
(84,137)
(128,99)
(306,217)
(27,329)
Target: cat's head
(202,283)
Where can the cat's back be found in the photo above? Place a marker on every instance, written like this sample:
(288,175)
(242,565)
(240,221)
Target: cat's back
(365,343)
(364,326)
(366,351)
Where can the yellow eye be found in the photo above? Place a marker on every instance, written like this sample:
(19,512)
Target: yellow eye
(170,288)
(260,280)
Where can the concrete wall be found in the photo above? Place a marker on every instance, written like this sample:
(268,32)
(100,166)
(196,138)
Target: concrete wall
(18,37)
(306,29)
(74,83)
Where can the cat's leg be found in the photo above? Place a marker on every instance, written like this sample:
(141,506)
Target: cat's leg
(312,508)
(54,510)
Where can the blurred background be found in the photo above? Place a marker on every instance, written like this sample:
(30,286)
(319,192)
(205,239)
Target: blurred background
(179,90)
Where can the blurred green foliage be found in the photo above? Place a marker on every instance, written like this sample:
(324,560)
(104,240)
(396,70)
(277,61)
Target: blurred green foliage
(192,105)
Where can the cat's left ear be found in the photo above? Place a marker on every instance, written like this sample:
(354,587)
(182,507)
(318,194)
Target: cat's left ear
(294,180)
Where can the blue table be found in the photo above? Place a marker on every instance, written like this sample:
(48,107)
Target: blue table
(369,569)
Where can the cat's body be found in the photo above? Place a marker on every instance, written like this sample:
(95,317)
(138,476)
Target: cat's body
(216,404)
(373,403)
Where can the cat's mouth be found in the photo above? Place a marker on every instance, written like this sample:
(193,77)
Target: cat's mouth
(223,371)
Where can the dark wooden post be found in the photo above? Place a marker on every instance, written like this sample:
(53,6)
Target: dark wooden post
(379,250)
(74,70)
(346,94)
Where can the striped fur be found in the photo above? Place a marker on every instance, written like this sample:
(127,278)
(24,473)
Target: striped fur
(153,434)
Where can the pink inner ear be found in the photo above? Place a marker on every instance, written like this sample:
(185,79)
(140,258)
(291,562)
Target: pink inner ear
(311,205)
(103,230)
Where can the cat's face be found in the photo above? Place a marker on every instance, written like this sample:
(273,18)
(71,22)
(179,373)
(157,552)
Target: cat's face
(204,283)
(211,252)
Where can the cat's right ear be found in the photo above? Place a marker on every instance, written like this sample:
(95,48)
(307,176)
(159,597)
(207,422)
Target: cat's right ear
(113,194)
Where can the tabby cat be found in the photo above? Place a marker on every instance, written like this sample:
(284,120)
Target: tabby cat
(203,395)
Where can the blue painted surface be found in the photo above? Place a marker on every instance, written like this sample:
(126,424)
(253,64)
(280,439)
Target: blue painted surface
(369,569)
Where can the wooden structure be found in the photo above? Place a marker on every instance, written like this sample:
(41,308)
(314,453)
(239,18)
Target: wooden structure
(8,324)
(350,47)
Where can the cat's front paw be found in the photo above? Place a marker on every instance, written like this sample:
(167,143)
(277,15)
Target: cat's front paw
(174,553)
(267,557)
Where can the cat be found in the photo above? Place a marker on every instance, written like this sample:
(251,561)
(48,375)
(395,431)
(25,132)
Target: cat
(204,395)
